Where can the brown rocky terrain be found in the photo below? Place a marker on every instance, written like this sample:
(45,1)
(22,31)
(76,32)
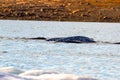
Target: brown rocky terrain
(61,10)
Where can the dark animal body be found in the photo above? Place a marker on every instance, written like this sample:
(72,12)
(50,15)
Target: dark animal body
(73,39)
(38,38)
(117,43)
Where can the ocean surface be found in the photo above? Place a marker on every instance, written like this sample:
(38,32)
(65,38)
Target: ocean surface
(97,60)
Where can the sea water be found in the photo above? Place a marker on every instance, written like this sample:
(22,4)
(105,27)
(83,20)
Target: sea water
(97,60)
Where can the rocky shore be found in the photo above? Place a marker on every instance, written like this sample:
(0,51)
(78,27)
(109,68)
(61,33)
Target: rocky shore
(61,10)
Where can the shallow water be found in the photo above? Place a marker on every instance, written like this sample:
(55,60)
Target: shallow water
(100,61)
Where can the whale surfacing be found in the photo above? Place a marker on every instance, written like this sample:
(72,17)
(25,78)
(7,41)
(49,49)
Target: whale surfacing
(73,39)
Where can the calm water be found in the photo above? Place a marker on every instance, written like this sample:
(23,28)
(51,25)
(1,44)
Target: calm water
(101,61)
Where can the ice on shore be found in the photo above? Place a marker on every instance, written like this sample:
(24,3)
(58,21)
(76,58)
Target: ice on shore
(7,76)
(37,75)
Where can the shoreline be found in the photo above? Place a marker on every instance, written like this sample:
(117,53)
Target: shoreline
(84,11)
